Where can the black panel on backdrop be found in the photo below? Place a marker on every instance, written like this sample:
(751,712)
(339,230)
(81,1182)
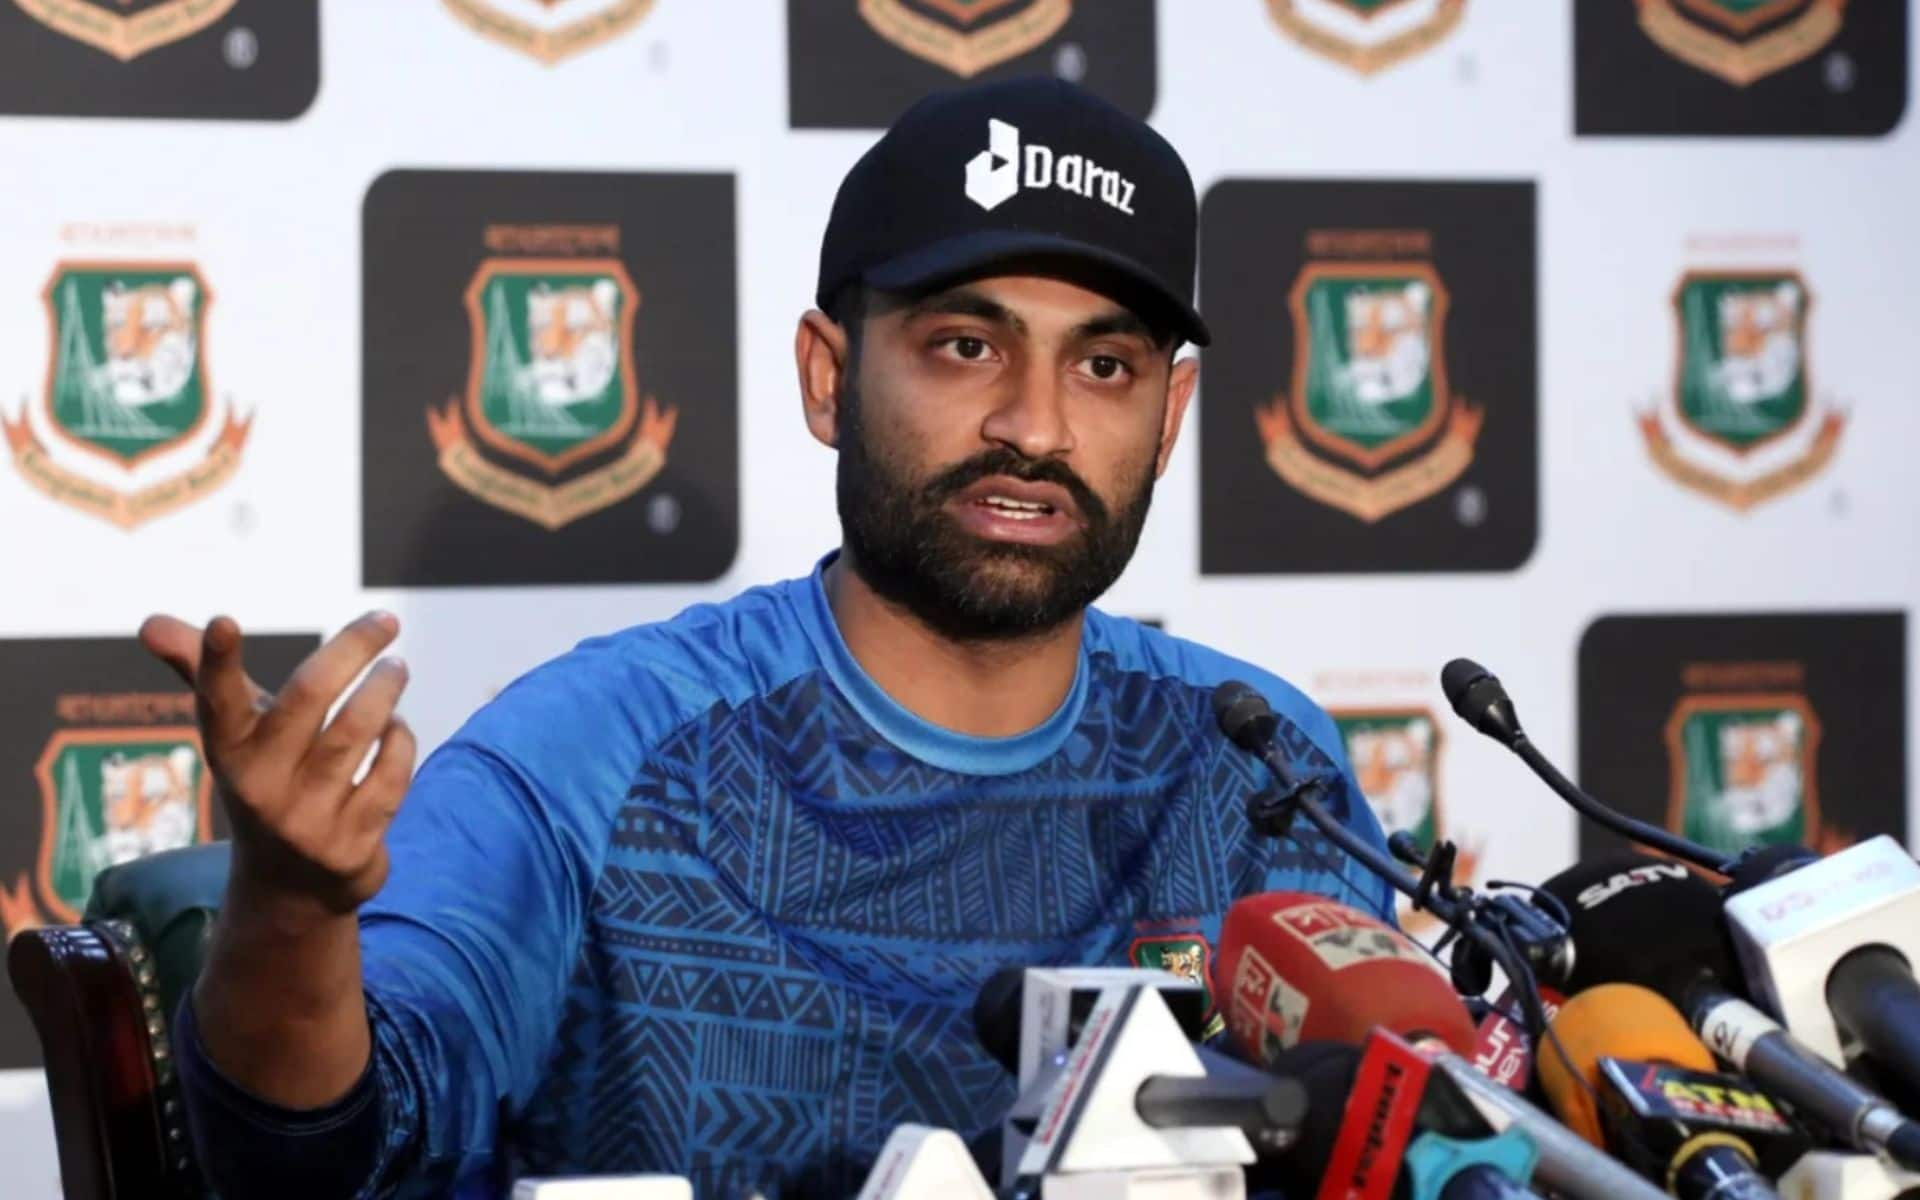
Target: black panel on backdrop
(1739,729)
(855,64)
(1786,67)
(218,59)
(549,386)
(102,764)
(1370,399)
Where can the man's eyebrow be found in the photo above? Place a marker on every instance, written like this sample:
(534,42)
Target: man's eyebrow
(1121,322)
(964,302)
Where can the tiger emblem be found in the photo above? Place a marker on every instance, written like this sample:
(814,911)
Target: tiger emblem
(1387,355)
(1392,766)
(1760,761)
(148,800)
(150,340)
(574,342)
(1759,344)
(1186,964)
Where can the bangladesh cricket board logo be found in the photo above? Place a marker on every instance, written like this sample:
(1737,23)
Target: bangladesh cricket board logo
(1744,771)
(126,29)
(1367,35)
(1741,40)
(108,796)
(122,429)
(551,384)
(550,30)
(1743,424)
(1182,955)
(966,37)
(1395,755)
(1371,426)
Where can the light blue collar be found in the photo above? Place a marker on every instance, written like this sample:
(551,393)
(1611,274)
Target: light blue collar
(920,738)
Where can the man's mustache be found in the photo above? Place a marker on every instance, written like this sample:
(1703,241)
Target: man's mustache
(1013,465)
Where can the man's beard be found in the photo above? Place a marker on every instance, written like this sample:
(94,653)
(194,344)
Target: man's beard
(906,547)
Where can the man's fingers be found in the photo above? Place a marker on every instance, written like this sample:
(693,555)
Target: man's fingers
(301,706)
(347,738)
(173,642)
(226,694)
(377,797)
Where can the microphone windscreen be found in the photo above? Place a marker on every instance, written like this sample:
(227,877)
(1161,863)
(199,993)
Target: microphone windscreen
(1456,677)
(1296,967)
(996,1016)
(1650,921)
(1617,1020)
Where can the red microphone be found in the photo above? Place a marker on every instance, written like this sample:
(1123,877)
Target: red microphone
(1297,967)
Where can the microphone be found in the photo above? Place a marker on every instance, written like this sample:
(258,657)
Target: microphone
(1479,700)
(919,1162)
(1637,919)
(1619,1044)
(1029,1020)
(1830,947)
(1113,1111)
(1492,929)
(1303,985)
(1280,950)
(1381,1121)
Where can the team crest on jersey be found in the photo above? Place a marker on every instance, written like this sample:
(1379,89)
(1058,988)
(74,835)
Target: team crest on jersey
(126,29)
(1367,35)
(966,36)
(121,429)
(1395,755)
(1743,747)
(1371,425)
(1741,40)
(1743,424)
(550,30)
(1183,955)
(551,384)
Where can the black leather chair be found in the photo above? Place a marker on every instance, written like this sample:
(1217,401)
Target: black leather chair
(102,996)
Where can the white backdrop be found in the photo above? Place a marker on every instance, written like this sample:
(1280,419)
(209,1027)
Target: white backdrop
(701,85)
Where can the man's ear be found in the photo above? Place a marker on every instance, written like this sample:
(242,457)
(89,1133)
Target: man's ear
(1180,383)
(820,354)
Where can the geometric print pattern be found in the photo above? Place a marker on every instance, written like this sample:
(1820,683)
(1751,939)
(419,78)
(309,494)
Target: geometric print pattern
(794,918)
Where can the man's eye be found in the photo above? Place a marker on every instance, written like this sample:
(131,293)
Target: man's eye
(1106,366)
(970,348)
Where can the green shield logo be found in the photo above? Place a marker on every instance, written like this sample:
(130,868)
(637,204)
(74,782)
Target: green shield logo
(1744,771)
(111,796)
(1369,372)
(1183,955)
(1743,363)
(552,376)
(126,376)
(1394,754)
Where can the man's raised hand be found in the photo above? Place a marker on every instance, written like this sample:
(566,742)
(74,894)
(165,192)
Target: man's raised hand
(303,829)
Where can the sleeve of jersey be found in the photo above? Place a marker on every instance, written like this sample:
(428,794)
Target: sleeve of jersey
(468,949)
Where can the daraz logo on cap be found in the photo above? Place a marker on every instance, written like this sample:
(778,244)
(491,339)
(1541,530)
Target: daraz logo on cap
(995,174)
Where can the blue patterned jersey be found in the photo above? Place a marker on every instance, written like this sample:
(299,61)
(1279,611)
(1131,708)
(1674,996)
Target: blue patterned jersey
(699,898)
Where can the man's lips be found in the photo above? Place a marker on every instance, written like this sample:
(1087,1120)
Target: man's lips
(1004,509)
(1021,498)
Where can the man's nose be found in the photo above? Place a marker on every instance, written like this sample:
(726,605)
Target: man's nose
(1032,417)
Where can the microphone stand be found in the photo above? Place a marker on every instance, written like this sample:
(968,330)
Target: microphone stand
(1482,921)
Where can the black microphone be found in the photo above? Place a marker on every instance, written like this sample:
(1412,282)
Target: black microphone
(1480,701)
(1268,1110)
(1637,919)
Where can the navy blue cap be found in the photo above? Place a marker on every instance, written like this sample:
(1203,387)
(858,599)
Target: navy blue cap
(1030,170)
